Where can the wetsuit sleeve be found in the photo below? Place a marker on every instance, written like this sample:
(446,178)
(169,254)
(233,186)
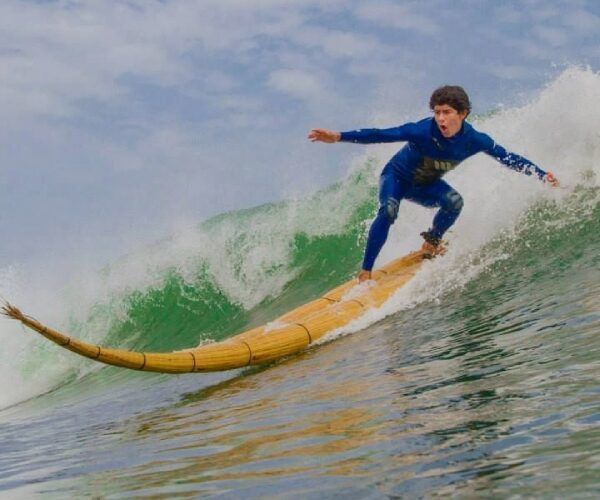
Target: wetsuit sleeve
(404,132)
(511,160)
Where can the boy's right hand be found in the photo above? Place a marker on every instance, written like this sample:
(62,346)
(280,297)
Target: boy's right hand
(323,135)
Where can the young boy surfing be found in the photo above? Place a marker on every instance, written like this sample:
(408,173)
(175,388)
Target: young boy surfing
(434,147)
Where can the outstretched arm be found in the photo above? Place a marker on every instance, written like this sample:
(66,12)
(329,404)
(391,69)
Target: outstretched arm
(366,135)
(516,162)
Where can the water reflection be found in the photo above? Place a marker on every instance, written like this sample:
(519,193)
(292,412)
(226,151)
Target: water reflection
(250,430)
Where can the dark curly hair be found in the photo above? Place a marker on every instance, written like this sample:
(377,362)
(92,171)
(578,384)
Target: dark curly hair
(452,95)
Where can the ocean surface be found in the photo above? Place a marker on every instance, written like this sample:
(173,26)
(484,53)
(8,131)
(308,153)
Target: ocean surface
(480,378)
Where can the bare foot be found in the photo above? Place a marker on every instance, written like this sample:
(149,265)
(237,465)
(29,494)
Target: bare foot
(430,251)
(364,276)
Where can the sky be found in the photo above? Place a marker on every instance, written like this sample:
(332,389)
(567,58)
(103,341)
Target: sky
(123,120)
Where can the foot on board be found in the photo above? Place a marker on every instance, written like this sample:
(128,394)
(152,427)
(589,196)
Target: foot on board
(364,275)
(432,246)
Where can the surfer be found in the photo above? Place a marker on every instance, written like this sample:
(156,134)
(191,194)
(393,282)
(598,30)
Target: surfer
(434,147)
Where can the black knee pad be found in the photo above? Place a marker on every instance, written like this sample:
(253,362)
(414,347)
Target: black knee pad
(454,201)
(391,209)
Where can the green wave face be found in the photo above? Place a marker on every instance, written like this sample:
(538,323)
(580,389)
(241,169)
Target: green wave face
(182,311)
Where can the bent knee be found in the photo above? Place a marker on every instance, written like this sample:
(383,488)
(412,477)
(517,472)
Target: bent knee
(453,201)
(390,209)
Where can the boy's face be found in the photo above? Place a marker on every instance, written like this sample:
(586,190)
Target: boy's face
(448,119)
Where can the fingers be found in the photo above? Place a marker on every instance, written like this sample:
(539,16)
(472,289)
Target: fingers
(317,134)
(323,135)
(551,179)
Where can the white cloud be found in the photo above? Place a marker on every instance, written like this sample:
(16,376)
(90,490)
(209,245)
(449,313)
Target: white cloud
(239,103)
(509,71)
(398,16)
(583,21)
(297,83)
(544,11)
(56,53)
(507,14)
(552,36)
(337,43)
(530,49)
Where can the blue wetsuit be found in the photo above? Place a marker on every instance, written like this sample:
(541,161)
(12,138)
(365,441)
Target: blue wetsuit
(415,173)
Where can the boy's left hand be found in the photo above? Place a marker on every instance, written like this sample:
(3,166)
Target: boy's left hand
(553,181)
